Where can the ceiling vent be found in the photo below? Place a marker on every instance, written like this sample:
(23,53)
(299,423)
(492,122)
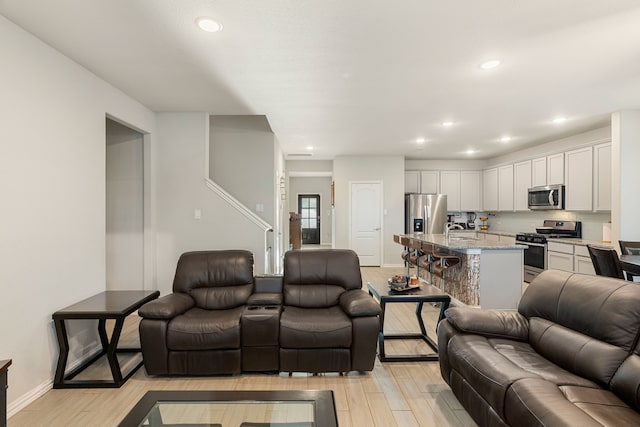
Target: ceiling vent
(301,155)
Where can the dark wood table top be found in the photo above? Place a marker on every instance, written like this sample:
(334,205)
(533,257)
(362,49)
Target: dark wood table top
(424,292)
(107,304)
(630,263)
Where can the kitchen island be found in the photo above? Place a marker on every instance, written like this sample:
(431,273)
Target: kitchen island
(483,273)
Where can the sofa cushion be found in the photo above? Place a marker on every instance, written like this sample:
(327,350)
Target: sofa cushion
(485,369)
(221,297)
(536,402)
(626,382)
(574,351)
(314,328)
(491,365)
(200,329)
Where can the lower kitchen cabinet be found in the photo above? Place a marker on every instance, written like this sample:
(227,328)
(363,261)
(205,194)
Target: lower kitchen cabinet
(582,261)
(560,256)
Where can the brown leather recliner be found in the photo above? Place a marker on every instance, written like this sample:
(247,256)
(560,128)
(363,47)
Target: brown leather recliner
(570,355)
(328,323)
(196,329)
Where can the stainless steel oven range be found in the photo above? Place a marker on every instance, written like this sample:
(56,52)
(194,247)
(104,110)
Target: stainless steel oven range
(535,256)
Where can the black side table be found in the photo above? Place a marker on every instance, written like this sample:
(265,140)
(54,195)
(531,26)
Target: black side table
(4,366)
(426,293)
(114,305)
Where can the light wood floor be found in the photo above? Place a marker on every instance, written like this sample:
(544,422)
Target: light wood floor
(393,394)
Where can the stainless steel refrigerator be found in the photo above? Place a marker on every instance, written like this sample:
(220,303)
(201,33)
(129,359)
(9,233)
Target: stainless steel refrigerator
(425,213)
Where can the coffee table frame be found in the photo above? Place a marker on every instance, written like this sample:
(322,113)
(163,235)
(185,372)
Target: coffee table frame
(324,405)
(426,294)
(116,305)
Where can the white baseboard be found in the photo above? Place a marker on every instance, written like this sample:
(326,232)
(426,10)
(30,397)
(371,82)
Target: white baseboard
(392,265)
(29,397)
(38,391)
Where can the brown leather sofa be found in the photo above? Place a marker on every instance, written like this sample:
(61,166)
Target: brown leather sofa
(569,356)
(220,319)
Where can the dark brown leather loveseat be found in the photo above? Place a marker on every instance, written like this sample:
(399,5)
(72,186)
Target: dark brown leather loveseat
(220,319)
(569,356)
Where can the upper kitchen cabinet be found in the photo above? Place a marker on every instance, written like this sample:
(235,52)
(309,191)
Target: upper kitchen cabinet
(505,188)
(450,185)
(470,191)
(490,189)
(411,182)
(579,179)
(547,170)
(555,169)
(522,183)
(430,182)
(539,172)
(602,175)
(421,182)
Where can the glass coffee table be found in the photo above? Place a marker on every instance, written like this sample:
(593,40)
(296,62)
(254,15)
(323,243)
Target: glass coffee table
(305,408)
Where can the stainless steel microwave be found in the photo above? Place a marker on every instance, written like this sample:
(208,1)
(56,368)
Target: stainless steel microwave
(546,198)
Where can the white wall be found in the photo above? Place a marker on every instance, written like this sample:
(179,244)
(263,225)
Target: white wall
(52,182)
(181,154)
(625,153)
(314,185)
(242,161)
(124,208)
(389,170)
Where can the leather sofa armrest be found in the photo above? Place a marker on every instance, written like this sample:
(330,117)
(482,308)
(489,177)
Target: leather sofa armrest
(358,303)
(265,298)
(499,324)
(167,307)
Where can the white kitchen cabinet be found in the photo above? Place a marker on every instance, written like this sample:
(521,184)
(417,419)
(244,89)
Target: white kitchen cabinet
(411,182)
(505,188)
(539,172)
(490,189)
(450,185)
(470,191)
(602,177)
(521,185)
(555,169)
(560,256)
(560,261)
(579,179)
(430,182)
(582,261)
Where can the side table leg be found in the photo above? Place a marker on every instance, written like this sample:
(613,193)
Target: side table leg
(112,357)
(63,343)
(381,354)
(423,330)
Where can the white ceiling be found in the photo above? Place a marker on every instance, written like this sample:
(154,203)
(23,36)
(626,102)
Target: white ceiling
(354,77)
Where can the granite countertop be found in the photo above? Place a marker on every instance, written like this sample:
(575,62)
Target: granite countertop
(582,242)
(462,243)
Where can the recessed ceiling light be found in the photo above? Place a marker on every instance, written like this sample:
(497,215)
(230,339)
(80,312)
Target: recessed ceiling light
(209,25)
(448,123)
(505,139)
(309,148)
(470,151)
(421,141)
(492,63)
(559,120)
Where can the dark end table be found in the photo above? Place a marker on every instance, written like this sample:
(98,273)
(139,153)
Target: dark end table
(116,305)
(426,293)
(4,366)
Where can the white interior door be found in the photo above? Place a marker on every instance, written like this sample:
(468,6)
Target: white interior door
(366,221)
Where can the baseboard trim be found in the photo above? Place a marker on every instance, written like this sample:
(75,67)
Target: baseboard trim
(392,265)
(32,395)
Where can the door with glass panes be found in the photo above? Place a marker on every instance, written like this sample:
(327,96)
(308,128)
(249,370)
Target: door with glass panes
(309,210)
